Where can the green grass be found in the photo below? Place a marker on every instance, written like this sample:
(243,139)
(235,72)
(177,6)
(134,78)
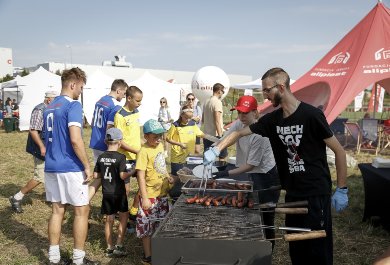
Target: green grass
(24,239)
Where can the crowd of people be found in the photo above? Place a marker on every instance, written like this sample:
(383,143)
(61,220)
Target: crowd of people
(284,148)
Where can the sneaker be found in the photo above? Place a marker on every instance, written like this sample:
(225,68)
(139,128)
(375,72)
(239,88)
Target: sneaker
(109,252)
(62,262)
(88,262)
(15,204)
(120,251)
(146,260)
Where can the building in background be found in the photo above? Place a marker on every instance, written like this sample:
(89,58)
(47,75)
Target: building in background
(6,63)
(119,68)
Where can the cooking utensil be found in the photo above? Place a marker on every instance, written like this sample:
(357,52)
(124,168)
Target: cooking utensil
(284,204)
(288,210)
(198,171)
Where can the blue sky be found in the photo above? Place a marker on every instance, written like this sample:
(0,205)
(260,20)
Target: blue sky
(241,37)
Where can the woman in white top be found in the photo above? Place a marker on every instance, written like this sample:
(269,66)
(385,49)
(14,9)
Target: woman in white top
(197,117)
(164,117)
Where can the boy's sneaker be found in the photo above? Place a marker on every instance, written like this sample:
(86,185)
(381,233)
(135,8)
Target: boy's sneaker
(120,251)
(15,204)
(109,252)
(88,262)
(62,262)
(146,260)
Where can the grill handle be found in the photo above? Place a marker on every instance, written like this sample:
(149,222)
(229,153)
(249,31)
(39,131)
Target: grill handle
(182,261)
(305,235)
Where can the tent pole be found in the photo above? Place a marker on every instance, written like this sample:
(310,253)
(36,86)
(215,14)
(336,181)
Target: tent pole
(375,100)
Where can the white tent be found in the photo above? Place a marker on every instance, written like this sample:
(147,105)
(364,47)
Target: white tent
(33,87)
(98,85)
(153,89)
(255,84)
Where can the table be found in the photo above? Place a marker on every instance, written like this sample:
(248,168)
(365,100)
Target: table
(377,192)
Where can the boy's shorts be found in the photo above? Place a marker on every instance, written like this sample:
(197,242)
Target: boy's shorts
(39,170)
(111,204)
(148,220)
(66,188)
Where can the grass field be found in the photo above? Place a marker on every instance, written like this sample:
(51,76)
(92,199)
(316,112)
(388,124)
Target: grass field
(24,240)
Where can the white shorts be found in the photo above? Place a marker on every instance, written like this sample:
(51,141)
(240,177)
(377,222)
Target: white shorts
(66,188)
(96,153)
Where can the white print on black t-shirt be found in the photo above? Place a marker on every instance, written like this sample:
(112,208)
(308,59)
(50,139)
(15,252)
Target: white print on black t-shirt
(291,138)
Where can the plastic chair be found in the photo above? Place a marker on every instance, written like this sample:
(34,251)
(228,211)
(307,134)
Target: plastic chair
(356,133)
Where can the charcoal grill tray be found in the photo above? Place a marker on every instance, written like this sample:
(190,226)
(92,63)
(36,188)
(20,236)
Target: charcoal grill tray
(188,189)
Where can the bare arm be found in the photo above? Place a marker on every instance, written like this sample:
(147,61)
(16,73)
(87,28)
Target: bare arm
(241,169)
(37,139)
(218,120)
(176,143)
(142,188)
(233,137)
(340,159)
(78,147)
(126,147)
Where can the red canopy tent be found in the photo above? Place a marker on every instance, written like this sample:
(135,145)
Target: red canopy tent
(359,60)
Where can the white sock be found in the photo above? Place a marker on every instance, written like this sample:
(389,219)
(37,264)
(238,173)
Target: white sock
(78,256)
(18,196)
(54,253)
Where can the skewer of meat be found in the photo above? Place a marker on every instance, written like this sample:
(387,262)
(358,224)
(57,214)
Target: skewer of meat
(217,201)
(207,202)
(202,200)
(192,200)
(224,200)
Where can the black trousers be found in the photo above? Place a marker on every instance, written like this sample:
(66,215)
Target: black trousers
(314,251)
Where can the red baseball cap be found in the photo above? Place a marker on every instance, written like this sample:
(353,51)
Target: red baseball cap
(246,104)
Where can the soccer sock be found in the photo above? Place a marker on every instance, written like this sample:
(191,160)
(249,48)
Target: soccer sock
(78,256)
(54,253)
(18,196)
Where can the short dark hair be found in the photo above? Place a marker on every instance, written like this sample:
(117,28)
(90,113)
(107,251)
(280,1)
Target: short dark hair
(73,74)
(118,83)
(278,75)
(131,90)
(217,87)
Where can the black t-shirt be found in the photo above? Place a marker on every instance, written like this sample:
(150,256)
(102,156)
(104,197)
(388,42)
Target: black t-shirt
(299,149)
(109,165)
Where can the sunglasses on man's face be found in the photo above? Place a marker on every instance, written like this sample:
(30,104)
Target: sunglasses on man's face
(162,102)
(190,99)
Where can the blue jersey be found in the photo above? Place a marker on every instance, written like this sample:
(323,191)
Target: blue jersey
(103,115)
(62,113)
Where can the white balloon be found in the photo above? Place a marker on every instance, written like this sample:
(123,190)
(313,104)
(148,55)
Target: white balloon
(204,80)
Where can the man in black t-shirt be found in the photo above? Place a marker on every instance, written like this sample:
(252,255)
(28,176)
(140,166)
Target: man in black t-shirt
(299,134)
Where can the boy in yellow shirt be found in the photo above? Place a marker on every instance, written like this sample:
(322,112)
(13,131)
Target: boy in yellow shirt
(153,182)
(182,137)
(127,120)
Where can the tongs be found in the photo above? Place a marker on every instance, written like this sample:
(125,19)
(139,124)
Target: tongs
(207,174)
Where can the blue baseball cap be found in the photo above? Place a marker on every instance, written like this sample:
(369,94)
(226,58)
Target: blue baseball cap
(153,126)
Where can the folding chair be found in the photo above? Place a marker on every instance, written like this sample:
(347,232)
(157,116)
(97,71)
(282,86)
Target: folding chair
(384,138)
(356,133)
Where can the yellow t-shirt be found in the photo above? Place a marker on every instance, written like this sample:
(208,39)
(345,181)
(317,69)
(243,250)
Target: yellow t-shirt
(152,161)
(128,122)
(186,134)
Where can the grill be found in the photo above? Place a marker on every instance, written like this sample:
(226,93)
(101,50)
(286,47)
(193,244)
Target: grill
(195,234)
